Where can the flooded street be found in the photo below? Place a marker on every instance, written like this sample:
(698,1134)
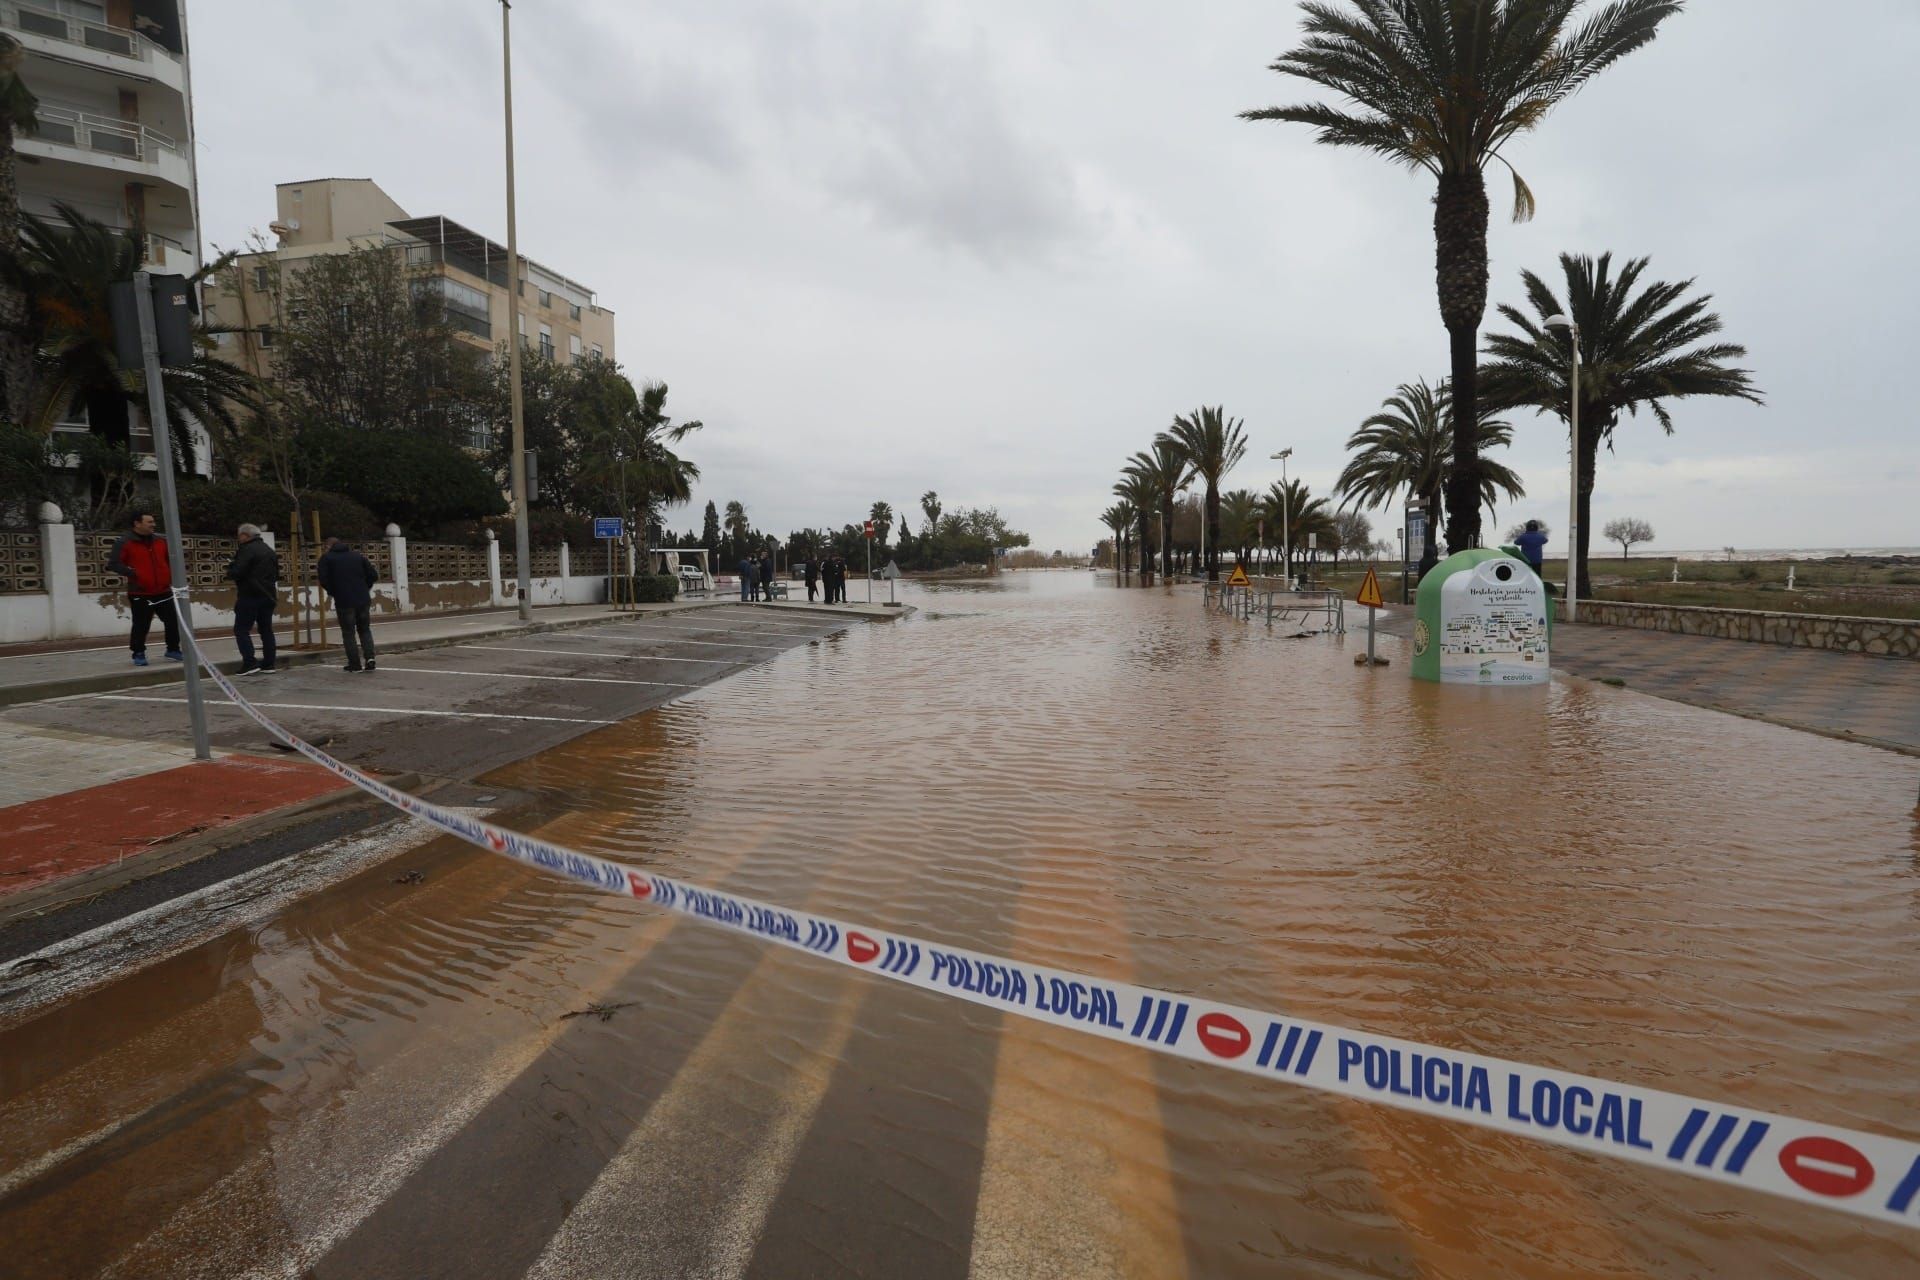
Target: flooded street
(489,1073)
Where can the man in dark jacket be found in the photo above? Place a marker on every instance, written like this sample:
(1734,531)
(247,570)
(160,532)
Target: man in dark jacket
(348,577)
(812,571)
(141,558)
(255,571)
(766,573)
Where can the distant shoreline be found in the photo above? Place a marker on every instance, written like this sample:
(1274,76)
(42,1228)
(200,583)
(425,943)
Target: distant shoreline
(1764,553)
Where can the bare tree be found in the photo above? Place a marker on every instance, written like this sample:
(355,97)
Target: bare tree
(1626,531)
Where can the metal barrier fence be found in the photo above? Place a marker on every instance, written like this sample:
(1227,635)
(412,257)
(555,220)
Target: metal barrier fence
(1279,605)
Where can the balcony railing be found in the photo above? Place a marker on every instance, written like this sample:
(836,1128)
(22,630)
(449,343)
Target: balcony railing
(102,134)
(97,36)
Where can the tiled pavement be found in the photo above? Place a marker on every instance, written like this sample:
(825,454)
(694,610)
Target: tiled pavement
(1846,695)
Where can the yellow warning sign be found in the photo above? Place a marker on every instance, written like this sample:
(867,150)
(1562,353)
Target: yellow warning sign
(1239,578)
(1370,591)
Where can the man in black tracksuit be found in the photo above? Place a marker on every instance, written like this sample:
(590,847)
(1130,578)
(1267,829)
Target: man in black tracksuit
(255,571)
(348,577)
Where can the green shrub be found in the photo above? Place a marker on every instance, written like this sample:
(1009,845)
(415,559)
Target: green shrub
(413,480)
(653,588)
(221,506)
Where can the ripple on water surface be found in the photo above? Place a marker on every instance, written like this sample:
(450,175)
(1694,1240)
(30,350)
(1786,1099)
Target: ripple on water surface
(1111,781)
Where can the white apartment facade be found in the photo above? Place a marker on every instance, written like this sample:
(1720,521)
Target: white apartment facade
(115,135)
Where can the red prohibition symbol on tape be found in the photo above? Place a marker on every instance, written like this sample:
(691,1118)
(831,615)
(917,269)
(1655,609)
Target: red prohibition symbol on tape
(641,886)
(860,948)
(1223,1035)
(1826,1166)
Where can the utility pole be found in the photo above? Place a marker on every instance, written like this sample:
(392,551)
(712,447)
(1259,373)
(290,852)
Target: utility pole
(170,507)
(522,551)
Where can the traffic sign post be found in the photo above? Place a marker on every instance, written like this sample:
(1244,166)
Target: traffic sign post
(608,529)
(1370,597)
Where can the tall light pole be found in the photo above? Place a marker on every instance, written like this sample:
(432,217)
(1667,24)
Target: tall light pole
(1573,464)
(1286,522)
(518,470)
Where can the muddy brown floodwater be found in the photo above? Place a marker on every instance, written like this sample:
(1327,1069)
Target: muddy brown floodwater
(383,1080)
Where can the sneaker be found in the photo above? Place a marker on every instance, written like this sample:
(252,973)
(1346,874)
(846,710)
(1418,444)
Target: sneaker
(173,655)
(369,664)
(267,671)
(353,666)
(139,659)
(251,671)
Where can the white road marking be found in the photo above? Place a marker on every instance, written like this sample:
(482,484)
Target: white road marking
(604,653)
(378,711)
(521,675)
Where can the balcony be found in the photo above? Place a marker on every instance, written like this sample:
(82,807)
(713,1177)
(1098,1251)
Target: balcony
(92,44)
(116,144)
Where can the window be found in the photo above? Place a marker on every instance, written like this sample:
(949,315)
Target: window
(597,351)
(573,311)
(546,299)
(265,334)
(573,347)
(260,279)
(546,341)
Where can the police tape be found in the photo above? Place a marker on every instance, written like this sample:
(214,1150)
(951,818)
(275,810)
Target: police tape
(1861,1173)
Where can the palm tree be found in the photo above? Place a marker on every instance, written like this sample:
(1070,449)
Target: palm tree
(930,508)
(1239,520)
(738,527)
(1292,508)
(1444,85)
(1138,492)
(882,517)
(631,457)
(1119,518)
(1213,444)
(18,111)
(1409,445)
(67,267)
(1166,471)
(1636,349)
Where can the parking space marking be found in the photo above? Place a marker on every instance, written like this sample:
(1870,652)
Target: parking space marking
(607,653)
(378,711)
(521,675)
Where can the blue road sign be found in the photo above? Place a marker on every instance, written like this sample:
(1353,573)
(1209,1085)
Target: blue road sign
(606,526)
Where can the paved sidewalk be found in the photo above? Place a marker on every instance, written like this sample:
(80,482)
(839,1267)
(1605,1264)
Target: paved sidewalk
(65,834)
(1842,695)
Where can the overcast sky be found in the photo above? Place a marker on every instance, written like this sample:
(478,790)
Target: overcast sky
(989,247)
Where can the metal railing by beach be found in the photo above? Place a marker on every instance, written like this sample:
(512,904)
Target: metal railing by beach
(98,36)
(102,134)
(1264,600)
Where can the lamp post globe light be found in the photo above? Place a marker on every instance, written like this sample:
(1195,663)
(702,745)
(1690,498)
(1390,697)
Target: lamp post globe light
(1573,461)
(1286,522)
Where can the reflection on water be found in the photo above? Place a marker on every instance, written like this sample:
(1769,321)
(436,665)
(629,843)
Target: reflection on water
(1106,780)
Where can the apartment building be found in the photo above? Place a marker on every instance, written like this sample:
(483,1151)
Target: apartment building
(558,315)
(115,136)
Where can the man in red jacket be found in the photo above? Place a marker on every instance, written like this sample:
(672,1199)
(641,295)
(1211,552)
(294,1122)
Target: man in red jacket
(141,558)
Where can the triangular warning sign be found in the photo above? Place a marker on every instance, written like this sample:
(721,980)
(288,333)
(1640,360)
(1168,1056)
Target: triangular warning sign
(1239,578)
(1370,591)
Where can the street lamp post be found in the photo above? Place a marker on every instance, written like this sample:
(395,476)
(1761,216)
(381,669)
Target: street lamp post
(1286,523)
(521,551)
(1573,464)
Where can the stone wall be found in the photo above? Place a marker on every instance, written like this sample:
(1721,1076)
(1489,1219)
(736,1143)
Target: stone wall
(1886,637)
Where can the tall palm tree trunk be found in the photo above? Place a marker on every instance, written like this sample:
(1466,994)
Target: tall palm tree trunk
(16,347)
(1213,531)
(1460,260)
(1589,461)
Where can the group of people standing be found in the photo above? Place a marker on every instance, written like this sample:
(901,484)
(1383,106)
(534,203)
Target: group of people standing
(347,576)
(832,572)
(757,576)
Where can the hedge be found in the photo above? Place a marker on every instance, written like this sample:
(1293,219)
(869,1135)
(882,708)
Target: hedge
(413,480)
(222,506)
(653,588)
